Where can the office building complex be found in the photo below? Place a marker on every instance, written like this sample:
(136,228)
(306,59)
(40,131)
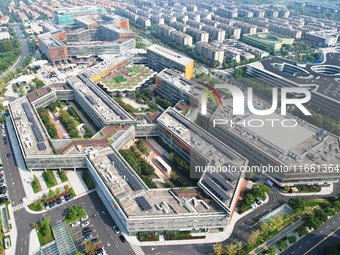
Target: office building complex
(268,146)
(321,79)
(160,58)
(106,34)
(67,16)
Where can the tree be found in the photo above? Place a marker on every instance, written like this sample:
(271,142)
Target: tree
(231,249)
(218,249)
(298,204)
(292,239)
(89,247)
(58,191)
(302,230)
(253,237)
(330,250)
(271,251)
(51,194)
(67,188)
(282,245)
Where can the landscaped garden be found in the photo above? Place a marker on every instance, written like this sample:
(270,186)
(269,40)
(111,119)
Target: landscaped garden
(36,184)
(44,230)
(119,79)
(88,180)
(74,213)
(49,178)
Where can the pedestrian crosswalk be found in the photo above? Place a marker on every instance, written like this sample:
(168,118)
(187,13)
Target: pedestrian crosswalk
(137,249)
(18,207)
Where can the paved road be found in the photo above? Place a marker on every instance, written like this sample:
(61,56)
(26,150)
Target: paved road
(92,203)
(306,243)
(24,46)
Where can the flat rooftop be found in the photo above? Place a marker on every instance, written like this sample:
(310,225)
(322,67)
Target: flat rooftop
(50,40)
(323,77)
(103,105)
(182,83)
(159,202)
(30,132)
(303,143)
(202,143)
(170,54)
(127,78)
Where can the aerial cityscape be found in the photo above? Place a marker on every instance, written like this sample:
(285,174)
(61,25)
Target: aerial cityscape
(159,127)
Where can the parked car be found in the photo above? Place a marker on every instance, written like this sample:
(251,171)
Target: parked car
(85,224)
(86,217)
(8,155)
(76,223)
(87,237)
(99,251)
(58,201)
(47,206)
(116,229)
(62,199)
(122,238)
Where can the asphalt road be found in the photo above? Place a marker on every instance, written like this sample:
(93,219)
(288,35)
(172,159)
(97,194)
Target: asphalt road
(102,223)
(24,46)
(304,245)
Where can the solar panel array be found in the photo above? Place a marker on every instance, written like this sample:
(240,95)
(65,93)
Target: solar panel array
(91,99)
(215,189)
(221,181)
(122,170)
(210,139)
(101,95)
(143,204)
(37,133)
(41,146)
(229,176)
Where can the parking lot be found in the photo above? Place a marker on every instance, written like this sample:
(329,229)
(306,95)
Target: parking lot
(3,185)
(83,231)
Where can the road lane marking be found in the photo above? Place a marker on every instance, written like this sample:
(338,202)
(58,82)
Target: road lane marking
(325,238)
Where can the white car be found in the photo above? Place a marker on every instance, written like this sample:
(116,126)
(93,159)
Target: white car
(86,217)
(85,224)
(116,229)
(254,205)
(74,224)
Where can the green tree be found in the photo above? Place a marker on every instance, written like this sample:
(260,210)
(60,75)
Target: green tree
(51,193)
(89,248)
(254,237)
(218,249)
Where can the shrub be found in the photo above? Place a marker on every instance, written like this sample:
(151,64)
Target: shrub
(292,239)
(63,176)
(36,184)
(49,178)
(88,180)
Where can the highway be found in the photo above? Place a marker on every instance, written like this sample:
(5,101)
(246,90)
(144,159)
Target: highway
(314,242)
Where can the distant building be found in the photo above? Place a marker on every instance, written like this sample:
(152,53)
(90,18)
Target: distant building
(210,52)
(67,16)
(160,58)
(4,20)
(267,41)
(4,34)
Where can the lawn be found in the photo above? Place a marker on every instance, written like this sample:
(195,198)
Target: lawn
(63,176)
(119,79)
(36,185)
(49,178)
(88,180)
(74,213)
(134,70)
